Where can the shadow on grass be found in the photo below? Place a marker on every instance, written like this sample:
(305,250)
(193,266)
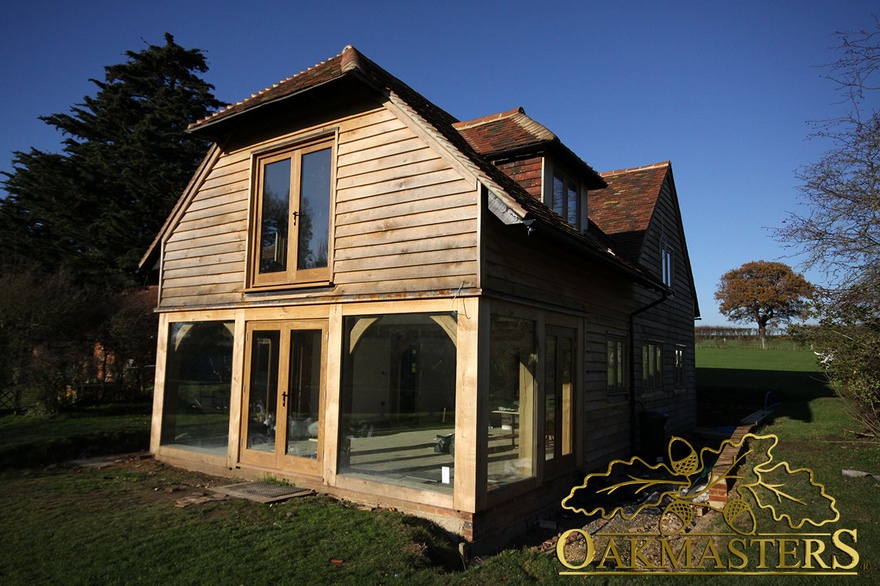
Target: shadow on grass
(38,440)
(726,395)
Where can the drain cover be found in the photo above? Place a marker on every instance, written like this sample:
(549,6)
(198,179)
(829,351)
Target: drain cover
(263,492)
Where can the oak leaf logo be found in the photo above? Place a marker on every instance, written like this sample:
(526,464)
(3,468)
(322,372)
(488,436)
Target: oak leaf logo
(627,488)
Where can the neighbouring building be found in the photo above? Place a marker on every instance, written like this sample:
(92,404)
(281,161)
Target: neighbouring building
(367,297)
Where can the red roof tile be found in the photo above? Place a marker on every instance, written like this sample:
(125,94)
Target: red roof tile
(504,131)
(624,209)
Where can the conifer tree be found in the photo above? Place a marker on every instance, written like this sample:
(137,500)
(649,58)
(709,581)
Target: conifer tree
(95,206)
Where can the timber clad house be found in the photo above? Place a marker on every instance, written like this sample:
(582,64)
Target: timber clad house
(369,298)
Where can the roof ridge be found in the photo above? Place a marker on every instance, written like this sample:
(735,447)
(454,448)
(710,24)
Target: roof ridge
(635,169)
(488,118)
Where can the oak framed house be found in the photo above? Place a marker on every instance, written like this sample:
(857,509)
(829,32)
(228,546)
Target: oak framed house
(367,297)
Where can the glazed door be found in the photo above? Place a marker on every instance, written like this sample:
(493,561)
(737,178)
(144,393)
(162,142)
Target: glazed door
(283,397)
(559,398)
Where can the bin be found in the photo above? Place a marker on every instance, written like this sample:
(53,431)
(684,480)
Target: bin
(652,427)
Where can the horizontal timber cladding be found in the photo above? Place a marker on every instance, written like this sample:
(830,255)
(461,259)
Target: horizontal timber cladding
(530,268)
(404,220)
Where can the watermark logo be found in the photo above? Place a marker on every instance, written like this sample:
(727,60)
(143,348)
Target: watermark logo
(656,507)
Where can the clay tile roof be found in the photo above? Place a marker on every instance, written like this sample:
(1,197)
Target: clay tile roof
(499,135)
(504,131)
(624,209)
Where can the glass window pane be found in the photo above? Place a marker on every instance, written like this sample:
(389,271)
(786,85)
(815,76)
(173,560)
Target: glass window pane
(313,222)
(612,365)
(398,399)
(512,389)
(558,203)
(572,205)
(198,384)
(263,391)
(550,386)
(304,394)
(275,214)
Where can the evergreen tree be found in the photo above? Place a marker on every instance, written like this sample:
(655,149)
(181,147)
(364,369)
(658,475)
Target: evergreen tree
(95,207)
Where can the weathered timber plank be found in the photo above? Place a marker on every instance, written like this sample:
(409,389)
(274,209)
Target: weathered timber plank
(220,274)
(455,186)
(188,298)
(429,218)
(466,240)
(370,129)
(396,184)
(229,208)
(374,289)
(424,272)
(395,174)
(392,161)
(411,208)
(383,148)
(236,217)
(204,269)
(219,196)
(182,252)
(224,239)
(378,147)
(415,259)
(407,234)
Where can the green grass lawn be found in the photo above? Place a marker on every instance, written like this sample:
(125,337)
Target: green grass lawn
(814,432)
(120,525)
(31,440)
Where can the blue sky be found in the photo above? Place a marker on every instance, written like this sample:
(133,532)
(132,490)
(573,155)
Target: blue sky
(723,90)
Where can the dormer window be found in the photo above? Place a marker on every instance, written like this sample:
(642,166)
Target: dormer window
(565,196)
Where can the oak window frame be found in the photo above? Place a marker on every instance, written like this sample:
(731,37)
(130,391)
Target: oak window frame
(290,275)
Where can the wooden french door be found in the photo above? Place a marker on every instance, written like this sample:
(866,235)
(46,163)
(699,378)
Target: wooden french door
(559,398)
(282,403)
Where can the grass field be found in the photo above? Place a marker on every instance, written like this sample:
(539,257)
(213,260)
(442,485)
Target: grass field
(121,525)
(814,433)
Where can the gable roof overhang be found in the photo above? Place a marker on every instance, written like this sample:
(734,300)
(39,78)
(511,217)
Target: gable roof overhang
(340,77)
(345,75)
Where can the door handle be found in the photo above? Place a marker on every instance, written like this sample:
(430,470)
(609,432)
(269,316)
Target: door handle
(284,399)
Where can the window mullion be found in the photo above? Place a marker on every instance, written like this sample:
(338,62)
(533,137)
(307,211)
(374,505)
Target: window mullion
(295,218)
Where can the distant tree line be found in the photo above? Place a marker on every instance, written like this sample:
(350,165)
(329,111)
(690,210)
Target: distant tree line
(733,333)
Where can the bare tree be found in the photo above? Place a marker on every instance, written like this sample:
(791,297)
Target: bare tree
(840,231)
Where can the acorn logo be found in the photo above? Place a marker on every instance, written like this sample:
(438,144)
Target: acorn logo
(680,489)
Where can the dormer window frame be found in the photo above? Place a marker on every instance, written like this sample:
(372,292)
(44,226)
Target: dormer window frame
(560,190)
